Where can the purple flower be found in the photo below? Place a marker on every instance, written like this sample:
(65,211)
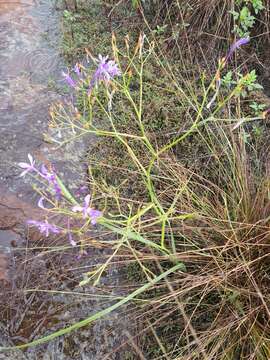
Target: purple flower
(87,211)
(44,173)
(235,46)
(27,167)
(106,71)
(83,209)
(51,178)
(77,70)
(44,227)
(69,79)
(94,215)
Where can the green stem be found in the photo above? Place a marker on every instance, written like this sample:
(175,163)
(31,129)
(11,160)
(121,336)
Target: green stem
(99,314)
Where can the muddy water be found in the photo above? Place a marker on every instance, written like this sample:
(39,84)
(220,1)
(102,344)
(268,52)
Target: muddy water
(29,66)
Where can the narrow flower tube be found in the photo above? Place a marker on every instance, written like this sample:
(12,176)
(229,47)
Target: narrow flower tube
(77,70)
(69,79)
(234,47)
(51,178)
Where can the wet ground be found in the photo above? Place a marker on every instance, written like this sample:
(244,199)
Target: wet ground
(39,290)
(29,75)
(29,67)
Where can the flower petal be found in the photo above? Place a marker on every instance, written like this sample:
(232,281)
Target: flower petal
(87,200)
(44,170)
(72,242)
(77,208)
(23,165)
(94,215)
(24,173)
(69,79)
(33,222)
(235,46)
(30,157)
(40,203)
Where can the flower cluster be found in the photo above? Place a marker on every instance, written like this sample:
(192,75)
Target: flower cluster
(43,173)
(87,211)
(44,226)
(105,72)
